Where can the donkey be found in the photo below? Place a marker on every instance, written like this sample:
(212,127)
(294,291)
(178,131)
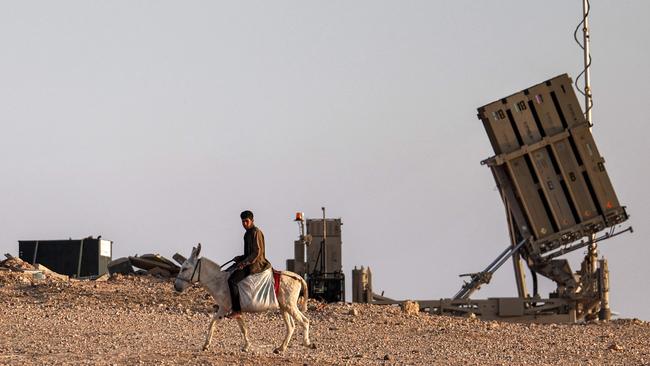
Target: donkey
(215,282)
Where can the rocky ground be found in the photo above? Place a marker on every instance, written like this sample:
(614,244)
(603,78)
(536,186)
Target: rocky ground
(140,320)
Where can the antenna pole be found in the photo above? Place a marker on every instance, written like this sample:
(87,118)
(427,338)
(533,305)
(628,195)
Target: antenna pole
(323,245)
(593,247)
(587,61)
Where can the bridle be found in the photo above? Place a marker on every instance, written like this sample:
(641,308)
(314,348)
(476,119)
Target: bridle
(196,267)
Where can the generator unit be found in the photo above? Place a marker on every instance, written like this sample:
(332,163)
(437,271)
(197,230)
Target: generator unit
(317,257)
(88,257)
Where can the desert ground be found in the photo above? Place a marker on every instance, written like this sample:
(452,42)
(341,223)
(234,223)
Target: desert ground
(131,320)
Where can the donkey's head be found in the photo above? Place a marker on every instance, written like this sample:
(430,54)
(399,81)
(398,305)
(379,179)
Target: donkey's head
(189,272)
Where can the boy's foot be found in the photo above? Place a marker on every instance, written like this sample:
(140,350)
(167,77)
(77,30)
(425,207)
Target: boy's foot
(234,315)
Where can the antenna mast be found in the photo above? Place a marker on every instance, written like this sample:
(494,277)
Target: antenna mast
(587,60)
(593,248)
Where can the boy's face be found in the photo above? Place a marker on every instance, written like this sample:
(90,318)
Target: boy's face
(247,223)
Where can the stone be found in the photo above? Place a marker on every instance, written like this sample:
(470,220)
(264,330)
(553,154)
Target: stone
(51,274)
(410,307)
(103,278)
(615,347)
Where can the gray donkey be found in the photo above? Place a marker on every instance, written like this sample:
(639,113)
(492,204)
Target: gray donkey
(215,282)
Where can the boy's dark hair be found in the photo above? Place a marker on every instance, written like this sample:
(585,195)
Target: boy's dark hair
(246,215)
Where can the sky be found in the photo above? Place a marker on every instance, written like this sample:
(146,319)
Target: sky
(155,123)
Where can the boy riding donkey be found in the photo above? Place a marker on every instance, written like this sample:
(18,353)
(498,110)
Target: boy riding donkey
(253,261)
(266,289)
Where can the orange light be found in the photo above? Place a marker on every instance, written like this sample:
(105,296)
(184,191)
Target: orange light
(300,216)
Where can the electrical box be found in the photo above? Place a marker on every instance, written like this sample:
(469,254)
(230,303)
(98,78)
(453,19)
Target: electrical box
(75,258)
(317,257)
(327,258)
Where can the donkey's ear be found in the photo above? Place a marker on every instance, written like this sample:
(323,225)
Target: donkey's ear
(198,249)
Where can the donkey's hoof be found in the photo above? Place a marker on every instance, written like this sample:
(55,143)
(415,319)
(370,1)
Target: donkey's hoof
(311,345)
(278,350)
(204,348)
(245,349)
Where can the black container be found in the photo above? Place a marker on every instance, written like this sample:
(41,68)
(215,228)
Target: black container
(327,287)
(75,258)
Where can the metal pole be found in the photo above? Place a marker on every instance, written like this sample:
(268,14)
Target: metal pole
(587,60)
(520,277)
(484,277)
(81,251)
(35,253)
(511,251)
(324,245)
(593,247)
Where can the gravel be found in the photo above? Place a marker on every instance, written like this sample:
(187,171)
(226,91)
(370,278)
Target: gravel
(141,320)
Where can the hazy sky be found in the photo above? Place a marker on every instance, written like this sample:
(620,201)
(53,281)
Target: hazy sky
(154,123)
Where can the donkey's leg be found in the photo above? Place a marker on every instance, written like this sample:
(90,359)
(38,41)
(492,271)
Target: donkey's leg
(208,337)
(244,333)
(215,318)
(304,322)
(290,328)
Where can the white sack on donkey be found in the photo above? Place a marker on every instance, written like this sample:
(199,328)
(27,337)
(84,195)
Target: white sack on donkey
(257,292)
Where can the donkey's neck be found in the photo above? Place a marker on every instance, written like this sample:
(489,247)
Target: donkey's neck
(208,265)
(208,271)
(215,282)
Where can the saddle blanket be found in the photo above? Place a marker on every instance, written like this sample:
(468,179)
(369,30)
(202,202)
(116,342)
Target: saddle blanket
(258,292)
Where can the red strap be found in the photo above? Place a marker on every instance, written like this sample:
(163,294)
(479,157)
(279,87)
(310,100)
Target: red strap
(276,281)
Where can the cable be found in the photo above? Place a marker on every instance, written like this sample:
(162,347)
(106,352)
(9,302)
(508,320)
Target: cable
(582,46)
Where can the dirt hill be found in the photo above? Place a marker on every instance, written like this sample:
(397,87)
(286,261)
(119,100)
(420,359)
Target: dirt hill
(141,320)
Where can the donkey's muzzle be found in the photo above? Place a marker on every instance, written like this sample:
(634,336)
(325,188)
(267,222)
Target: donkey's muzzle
(178,287)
